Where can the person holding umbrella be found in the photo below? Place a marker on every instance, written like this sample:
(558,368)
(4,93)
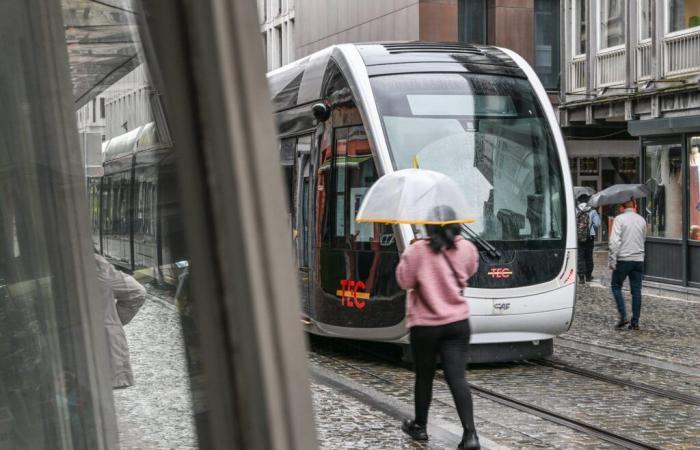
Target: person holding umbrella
(587,225)
(434,271)
(626,247)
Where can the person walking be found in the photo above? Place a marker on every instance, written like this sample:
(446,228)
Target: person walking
(626,259)
(435,270)
(587,224)
(122,297)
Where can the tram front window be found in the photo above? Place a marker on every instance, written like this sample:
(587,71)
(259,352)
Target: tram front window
(490,135)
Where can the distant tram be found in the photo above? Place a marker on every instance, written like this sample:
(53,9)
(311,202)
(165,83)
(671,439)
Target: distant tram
(350,113)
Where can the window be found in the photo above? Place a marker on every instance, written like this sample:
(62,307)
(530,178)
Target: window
(663,177)
(682,14)
(472,15)
(278,46)
(94,110)
(694,187)
(580,26)
(645,12)
(547,42)
(612,23)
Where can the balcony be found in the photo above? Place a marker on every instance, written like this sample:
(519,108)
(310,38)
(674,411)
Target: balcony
(682,52)
(611,66)
(644,60)
(577,73)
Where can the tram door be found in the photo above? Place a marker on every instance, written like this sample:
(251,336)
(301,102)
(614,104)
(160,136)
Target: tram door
(301,219)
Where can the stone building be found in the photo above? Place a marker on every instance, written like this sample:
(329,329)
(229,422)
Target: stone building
(631,111)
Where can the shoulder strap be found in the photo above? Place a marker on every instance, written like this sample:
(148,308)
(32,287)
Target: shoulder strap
(454,272)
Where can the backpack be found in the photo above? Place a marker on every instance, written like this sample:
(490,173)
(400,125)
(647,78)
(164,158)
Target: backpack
(583,225)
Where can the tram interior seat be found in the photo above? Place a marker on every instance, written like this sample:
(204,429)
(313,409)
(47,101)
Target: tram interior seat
(511,224)
(535,214)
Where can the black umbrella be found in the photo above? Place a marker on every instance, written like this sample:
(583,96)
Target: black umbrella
(618,193)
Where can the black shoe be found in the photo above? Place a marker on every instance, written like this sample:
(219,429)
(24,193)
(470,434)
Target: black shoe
(417,432)
(470,441)
(581,280)
(621,324)
(633,326)
(589,278)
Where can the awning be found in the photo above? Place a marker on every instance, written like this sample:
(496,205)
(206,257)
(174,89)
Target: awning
(103,44)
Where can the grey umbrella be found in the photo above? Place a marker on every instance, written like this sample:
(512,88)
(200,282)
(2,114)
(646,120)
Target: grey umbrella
(583,190)
(618,193)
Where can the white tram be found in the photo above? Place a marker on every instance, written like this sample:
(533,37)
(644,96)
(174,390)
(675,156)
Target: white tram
(353,112)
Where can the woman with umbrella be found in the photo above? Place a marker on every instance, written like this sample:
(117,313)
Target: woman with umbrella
(435,271)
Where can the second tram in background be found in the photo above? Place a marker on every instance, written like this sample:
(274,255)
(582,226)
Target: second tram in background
(350,113)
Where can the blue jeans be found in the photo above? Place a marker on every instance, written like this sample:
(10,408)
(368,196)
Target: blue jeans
(635,271)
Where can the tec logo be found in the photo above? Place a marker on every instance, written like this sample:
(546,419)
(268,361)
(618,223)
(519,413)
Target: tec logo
(500,272)
(351,294)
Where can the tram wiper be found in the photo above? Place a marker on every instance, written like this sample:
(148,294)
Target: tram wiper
(481,242)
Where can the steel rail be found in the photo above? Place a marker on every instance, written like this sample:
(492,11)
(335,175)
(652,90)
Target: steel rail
(505,400)
(660,392)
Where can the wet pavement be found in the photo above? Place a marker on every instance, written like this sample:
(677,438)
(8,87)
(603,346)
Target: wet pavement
(360,396)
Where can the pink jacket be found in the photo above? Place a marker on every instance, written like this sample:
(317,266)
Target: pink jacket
(436,298)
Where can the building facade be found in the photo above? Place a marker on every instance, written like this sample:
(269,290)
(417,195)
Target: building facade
(631,72)
(277,29)
(530,27)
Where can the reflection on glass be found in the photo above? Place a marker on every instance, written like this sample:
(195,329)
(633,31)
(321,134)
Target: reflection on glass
(499,149)
(547,42)
(683,14)
(136,222)
(612,23)
(664,207)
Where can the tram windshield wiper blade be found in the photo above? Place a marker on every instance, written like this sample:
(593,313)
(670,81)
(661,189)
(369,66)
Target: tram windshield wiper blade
(481,242)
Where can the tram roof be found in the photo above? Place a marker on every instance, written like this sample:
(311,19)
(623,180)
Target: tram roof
(300,82)
(103,44)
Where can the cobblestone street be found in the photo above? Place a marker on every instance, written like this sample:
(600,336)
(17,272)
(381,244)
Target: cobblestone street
(360,399)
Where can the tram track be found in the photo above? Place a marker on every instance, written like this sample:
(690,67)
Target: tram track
(511,402)
(659,392)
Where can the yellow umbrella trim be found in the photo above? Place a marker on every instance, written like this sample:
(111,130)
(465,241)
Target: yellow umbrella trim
(415,222)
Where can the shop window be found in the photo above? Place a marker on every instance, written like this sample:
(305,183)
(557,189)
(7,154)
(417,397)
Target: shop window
(694,187)
(580,27)
(611,23)
(682,14)
(663,176)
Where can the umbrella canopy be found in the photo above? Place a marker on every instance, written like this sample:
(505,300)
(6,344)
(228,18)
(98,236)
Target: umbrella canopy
(414,196)
(583,190)
(618,193)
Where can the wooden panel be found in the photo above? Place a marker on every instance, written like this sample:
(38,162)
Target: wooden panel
(438,20)
(663,260)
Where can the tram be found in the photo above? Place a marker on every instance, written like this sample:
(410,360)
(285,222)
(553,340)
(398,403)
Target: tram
(353,112)
(134,211)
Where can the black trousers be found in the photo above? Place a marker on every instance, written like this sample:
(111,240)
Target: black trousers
(585,257)
(451,342)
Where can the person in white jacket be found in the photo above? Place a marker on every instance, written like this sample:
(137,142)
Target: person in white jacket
(122,297)
(626,259)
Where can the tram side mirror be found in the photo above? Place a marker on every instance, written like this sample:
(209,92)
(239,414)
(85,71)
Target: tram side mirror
(321,112)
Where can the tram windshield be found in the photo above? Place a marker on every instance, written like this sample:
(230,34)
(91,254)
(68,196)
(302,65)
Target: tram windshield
(490,135)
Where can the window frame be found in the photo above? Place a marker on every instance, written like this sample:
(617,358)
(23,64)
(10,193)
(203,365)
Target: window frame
(599,28)
(667,23)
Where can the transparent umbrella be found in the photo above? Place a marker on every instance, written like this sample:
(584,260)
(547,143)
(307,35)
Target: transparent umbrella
(618,193)
(414,196)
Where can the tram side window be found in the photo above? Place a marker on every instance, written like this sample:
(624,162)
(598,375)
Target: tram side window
(287,150)
(354,173)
